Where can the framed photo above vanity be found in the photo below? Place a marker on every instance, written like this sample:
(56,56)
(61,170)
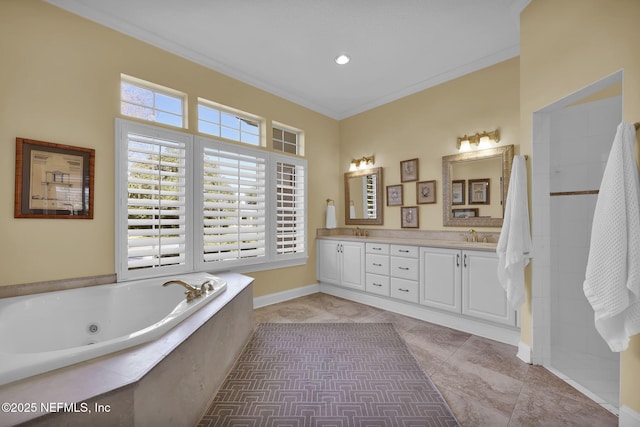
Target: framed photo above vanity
(409,217)
(479,191)
(457,191)
(394,195)
(409,170)
(426,192)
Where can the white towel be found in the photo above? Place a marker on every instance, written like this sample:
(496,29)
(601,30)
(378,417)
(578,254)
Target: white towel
(514,244)
(331,217)
(612,279)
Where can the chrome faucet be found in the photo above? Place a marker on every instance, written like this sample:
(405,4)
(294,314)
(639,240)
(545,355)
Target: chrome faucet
(192,292)
(474,235)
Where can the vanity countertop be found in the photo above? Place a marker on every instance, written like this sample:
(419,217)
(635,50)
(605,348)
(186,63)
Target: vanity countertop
(434,243)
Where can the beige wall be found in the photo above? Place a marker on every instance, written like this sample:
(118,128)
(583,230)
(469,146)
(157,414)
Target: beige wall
(564,46)
(59,82)
(426,126)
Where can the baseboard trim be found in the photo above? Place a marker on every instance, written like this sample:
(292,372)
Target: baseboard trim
(475,327)
(628,417)
(524,353)
(285,295)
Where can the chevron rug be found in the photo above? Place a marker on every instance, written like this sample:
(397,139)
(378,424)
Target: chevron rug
(327,374)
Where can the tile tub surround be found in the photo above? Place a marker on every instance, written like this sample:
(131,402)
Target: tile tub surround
(169,380)
(483,381)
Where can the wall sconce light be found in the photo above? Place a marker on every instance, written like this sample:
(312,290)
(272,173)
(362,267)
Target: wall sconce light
(480,140)
(362,163)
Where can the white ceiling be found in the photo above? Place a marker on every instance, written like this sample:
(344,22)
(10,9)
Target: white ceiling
(287,47)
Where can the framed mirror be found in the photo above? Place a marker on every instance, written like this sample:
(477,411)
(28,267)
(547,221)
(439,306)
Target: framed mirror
(474,187)
(363,197)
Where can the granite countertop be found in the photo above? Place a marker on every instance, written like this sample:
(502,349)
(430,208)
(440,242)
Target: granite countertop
(434,243)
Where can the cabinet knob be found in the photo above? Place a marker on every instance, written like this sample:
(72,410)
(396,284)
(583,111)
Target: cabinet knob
(403,268)
(457,260)
(403,290)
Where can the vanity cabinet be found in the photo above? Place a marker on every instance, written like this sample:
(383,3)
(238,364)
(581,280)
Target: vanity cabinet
(464,282)
(440,278)
(377,268)
(482,294)
(341,263)
(404,272)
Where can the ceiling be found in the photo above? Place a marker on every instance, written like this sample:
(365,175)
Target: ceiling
(287,47)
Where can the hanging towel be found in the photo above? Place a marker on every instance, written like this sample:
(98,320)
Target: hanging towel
(331,216)
(514,245)
(612,279)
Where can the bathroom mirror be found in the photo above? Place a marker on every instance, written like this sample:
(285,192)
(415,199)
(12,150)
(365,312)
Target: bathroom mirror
(474,187)
(363,197)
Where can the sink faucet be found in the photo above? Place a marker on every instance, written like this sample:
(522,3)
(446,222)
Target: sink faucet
(474,235)
(192,292)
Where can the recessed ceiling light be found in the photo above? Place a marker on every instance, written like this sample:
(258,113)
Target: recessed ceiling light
(342,59)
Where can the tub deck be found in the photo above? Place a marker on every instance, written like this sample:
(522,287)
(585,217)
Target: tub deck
(159,381)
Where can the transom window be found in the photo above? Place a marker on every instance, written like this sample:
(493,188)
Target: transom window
(225,122)
(148,101)
(286,139)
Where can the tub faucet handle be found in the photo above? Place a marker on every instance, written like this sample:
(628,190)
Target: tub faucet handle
(191,293)
(206,286)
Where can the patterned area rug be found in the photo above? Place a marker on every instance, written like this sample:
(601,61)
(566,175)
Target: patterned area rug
(327,374)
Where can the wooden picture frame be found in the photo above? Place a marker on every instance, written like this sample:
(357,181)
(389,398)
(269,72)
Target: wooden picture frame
(426,192)
(394,195)
(479,191)
(457,191)
(53,180)
(409,218)
(409,170)
(465,213)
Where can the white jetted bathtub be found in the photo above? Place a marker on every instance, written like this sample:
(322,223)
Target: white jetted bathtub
(42,332)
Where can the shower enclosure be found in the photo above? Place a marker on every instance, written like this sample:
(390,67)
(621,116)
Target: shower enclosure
(572,140)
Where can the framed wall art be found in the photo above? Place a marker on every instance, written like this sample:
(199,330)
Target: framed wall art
(465,213)
(394,195)
(426,192)
(53,180)
(409,170)
(409,217)
(457,191)
(479,191)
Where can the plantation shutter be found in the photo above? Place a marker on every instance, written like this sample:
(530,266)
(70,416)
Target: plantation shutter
(155,210)
(234,205)
(290,206)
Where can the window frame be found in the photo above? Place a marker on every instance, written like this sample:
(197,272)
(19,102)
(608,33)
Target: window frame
(195,208)
(238,114)
(299,145)
(156,89)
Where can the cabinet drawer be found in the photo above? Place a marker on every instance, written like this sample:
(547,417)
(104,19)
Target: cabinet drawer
(377,284)
(406,290)
(378,248)
(378,264)
(405,251)
(404,268)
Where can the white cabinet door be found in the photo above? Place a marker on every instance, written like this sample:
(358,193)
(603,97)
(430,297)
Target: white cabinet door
(440,278)
(353,264)
(329,261)
(341,263)
(482,294)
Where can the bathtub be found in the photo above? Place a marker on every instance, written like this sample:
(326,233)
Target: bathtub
(43,332)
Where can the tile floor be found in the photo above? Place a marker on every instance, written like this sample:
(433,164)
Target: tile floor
(483,381)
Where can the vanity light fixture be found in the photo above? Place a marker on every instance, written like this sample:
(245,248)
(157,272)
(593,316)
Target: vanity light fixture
(342,59)
(364,162)
(480,140)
